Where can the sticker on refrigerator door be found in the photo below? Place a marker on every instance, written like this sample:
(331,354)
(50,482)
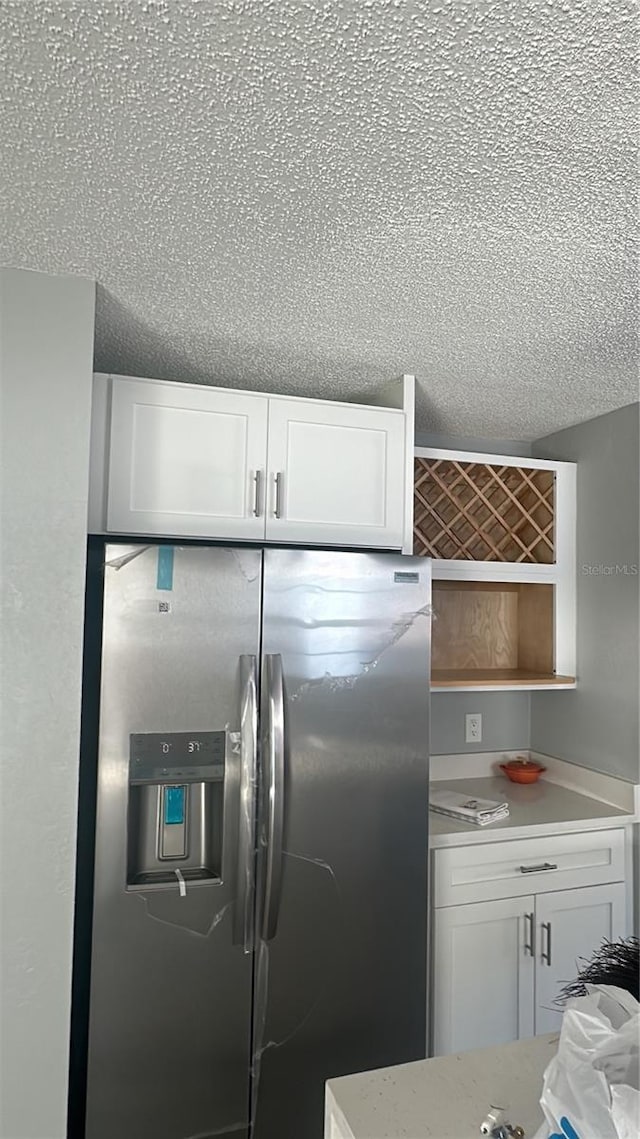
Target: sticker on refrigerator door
(406,577)
(164,573)
(164,607)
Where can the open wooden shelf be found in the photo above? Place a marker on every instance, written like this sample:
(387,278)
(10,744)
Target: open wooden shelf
(493,634)
(495,678)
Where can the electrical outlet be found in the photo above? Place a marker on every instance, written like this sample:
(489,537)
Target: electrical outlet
(473,728)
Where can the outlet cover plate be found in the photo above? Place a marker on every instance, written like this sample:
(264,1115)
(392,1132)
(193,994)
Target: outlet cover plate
(473,728)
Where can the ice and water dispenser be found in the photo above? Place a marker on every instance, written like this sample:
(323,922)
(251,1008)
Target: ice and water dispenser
(176,807)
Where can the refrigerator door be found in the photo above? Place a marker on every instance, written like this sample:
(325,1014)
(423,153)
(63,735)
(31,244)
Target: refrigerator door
(170,1011)
(341,967)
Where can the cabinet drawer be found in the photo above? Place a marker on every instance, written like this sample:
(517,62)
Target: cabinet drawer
(527,866)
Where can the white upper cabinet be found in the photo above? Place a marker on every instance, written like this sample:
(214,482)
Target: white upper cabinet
(185,461)
(182,460)
(336,474)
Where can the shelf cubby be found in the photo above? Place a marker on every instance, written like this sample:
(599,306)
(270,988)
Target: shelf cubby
(493,634)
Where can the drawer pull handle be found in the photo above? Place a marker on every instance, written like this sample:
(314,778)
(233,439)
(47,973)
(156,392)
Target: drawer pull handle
(539,868)
(529,946)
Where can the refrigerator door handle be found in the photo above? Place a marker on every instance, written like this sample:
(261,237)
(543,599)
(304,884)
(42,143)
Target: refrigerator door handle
(243,916)
(274,793)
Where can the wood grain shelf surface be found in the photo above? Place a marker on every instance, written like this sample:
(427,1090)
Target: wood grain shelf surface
(501,631)
(474,677)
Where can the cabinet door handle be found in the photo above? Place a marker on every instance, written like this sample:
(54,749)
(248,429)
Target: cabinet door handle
(257,493)
(545,954)
(278,481)
(539,868)
(529,945)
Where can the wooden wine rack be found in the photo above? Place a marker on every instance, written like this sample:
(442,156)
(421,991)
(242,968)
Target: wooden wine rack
(483,512)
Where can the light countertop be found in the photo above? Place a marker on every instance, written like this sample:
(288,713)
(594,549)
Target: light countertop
(535,809)
(443,1098)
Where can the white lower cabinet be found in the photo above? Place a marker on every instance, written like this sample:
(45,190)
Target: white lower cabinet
(499,964)
(570,925)
(483,977)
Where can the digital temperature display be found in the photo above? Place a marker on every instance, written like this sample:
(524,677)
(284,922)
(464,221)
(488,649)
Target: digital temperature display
(182,757)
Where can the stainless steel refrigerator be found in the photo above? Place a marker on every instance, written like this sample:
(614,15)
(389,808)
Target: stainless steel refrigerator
(260,894)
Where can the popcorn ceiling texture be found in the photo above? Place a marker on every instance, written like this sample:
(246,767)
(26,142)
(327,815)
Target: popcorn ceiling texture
(313,197)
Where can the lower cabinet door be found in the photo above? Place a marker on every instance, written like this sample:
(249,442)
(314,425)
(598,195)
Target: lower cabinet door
(483,974)
(571,925)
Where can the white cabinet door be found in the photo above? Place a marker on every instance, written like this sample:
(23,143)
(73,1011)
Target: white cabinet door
(571,925)
(183,461)
(336,474)
(483,975)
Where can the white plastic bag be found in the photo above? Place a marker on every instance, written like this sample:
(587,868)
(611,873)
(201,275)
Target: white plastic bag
(592,1085)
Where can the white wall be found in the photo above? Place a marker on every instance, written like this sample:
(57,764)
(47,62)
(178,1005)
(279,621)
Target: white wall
(46,355)
(598,724)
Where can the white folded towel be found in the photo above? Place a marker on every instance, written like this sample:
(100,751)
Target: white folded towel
(467,808)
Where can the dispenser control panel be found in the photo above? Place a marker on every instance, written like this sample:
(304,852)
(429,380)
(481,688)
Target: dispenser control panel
(178,757)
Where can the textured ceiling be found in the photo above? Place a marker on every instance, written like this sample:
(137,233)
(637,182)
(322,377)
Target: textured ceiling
(313,197)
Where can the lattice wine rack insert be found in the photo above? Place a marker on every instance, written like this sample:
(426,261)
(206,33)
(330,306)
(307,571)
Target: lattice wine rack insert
(481,512)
